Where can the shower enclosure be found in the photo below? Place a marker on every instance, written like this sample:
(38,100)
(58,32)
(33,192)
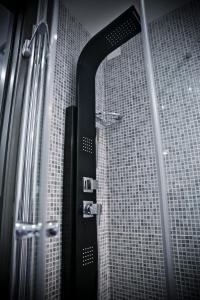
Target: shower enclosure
(149,217)
(121,130)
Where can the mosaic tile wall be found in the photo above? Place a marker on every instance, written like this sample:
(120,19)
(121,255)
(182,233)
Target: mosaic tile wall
(135,237)
(176,54)
(71,39)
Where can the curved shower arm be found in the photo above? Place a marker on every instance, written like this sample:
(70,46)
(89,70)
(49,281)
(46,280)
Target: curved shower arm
(108,39)
(41,28)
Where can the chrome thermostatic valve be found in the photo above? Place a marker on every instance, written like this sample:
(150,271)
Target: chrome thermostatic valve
(90,209)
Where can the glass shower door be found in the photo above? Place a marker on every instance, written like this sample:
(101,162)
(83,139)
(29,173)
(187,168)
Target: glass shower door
(174,34)
(28,225)
(6,25)
(25,142)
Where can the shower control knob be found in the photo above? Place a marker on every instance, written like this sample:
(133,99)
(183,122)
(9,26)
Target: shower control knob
(93,209)
(89,185)
(90,209)
(87,209)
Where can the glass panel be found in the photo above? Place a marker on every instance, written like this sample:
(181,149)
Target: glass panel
(28,226)
(6,20)
(130,226)
(174,30)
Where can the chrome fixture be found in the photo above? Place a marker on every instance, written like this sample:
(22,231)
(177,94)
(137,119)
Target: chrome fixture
(107,119)
(42,29)
(89,185)
(27,230)
(52,228)
(90,209)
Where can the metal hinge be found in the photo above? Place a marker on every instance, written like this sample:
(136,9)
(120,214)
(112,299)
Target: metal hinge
(27,230)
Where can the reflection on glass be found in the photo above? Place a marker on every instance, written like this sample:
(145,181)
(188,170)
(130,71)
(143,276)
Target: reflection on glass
(5,39)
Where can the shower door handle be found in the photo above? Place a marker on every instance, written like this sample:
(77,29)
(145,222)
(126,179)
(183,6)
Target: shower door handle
(29,230)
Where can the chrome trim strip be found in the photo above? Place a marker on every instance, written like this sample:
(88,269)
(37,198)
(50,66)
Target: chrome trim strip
(43,188)
(164,210)
(20,166)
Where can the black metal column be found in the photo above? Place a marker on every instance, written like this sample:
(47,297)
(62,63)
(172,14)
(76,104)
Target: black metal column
(85,256)
(69,201)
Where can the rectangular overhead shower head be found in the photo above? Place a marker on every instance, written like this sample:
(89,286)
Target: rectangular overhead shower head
(118,32)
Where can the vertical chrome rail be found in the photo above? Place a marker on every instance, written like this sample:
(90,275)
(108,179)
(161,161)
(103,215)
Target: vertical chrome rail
(43,188)
(164,210)
(19,182)
(36,160)
(30,135)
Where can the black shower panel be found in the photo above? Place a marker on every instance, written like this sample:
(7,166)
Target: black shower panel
(69,201)
(85,255)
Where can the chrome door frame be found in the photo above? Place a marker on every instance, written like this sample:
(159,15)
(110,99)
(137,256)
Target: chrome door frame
(48,102)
